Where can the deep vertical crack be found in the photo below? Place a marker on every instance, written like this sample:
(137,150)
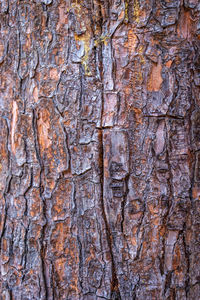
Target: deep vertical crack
(115,293)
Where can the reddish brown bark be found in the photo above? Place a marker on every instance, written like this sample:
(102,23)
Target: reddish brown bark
(99,161)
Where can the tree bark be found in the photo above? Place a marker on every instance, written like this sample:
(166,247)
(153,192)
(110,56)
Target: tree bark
(100,149)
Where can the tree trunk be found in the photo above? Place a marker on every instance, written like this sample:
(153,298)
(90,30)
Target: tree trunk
(100,149)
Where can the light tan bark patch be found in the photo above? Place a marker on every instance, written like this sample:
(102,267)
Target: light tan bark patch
(155,78)
(43,128)
(14,125)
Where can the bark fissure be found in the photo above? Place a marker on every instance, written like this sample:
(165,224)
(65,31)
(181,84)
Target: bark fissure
(114,279)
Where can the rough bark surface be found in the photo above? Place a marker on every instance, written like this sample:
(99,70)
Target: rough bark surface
(100,149)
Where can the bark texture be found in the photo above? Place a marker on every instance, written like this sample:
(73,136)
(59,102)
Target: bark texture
(100,149)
